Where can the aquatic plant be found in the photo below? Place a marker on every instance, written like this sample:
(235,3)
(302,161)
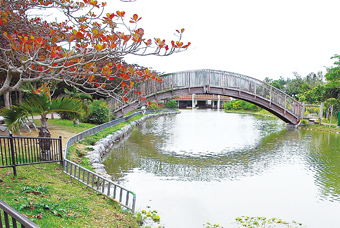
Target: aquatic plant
(253,222)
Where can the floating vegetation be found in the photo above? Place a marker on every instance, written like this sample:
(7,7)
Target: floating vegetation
(210,225)
(263,222)
(149,218)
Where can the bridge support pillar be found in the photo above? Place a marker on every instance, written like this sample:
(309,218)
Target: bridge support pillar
(218,102)
(291,126)
(193,101)
(321,112)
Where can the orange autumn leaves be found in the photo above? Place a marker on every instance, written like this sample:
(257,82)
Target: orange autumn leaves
(88,52)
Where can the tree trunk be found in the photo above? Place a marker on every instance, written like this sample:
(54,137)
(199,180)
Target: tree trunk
(76,122)
(45,144)
(20,97)
(7,100)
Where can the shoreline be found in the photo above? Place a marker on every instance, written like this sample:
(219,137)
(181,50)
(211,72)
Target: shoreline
(316,127)
(102,146)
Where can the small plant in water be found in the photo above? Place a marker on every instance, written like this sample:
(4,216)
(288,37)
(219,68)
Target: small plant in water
(150,218)
(210,225)
(263,222)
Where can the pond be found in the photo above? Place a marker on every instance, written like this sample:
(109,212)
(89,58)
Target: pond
(210,166)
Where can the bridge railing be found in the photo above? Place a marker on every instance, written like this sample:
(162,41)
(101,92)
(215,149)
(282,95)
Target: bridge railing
(220,79)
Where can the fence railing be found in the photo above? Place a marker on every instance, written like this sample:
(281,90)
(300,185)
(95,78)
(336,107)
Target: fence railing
(17,150)
(10,217)
(100,184)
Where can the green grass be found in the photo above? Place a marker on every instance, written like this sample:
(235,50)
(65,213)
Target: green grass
(50,198)
(67,125)
(261,112)
(77,151)
(324,127)
(130,113)
(92,139)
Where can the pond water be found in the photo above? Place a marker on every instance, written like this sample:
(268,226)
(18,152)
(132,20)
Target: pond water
(209,166)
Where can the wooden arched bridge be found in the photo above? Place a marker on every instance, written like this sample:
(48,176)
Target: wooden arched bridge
(221,83)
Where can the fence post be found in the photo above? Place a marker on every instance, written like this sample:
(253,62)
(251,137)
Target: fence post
(12,153)
(133,203)
(61,151)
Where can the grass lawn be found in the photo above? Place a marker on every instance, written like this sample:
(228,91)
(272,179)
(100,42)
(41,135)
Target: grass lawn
(324,127)
(50,198)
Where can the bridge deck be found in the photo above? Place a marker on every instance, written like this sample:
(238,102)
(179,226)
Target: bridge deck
(220,83)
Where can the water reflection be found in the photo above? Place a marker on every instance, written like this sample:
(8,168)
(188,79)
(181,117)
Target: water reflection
(237,156)
(324,160)
(167,147)
(188,152)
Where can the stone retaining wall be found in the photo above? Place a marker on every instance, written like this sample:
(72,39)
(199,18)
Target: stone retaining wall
(103,145)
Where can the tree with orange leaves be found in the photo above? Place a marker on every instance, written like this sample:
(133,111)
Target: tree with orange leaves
(33,50)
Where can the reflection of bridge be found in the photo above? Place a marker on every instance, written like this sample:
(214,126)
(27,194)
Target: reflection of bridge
(220,83)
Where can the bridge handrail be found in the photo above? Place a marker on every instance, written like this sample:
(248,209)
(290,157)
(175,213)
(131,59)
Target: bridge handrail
(216,78)
(237,75)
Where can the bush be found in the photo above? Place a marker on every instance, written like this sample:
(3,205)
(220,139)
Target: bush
(171,104)
(154,106)
(240,105)
(99,112)
(304,122)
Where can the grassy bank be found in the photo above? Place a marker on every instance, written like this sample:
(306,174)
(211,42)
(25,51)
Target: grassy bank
(261,112)
(323,127)
(78,150)
(50,198)
(316,127)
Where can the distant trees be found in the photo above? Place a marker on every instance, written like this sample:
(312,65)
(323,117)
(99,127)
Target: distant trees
(314,88)
(240,105)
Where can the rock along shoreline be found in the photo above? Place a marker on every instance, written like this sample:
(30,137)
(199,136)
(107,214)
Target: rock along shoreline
(103,145)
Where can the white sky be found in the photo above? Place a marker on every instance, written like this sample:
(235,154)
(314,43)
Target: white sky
(258,38)
(263,38)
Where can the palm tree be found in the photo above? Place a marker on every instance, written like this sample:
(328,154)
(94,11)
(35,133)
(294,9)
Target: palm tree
(40,104)
(74,93)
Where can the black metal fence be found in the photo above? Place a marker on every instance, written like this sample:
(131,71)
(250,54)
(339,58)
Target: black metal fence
(17,150)
(10,217)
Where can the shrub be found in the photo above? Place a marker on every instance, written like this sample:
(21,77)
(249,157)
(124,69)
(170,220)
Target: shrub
(154,106)
(240,105)
(171,104)
(99,112)
(304,122)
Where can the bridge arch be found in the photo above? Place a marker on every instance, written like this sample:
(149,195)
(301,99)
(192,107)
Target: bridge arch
(220,83)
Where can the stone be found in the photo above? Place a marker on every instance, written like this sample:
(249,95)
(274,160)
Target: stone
(100,147)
